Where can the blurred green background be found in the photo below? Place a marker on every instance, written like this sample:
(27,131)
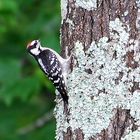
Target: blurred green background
(25,93)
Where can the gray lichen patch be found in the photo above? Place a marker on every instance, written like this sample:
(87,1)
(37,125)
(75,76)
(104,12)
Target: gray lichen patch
(63,9)
(138,3)
(87,4)
(92,97)
(138,18)
(132,136)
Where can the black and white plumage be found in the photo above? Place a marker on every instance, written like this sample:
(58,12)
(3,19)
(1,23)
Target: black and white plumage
(52,64)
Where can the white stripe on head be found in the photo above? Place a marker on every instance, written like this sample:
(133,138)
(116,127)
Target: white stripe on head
(36,50)
(33,42)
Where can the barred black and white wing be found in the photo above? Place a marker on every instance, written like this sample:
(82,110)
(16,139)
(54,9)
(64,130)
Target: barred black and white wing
(51,66)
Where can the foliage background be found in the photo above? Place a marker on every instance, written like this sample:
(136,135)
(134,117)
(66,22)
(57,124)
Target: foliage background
(25,93)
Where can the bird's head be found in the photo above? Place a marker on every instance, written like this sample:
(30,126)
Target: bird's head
(34,47)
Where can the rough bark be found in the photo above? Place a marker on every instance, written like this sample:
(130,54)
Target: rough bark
(103,88)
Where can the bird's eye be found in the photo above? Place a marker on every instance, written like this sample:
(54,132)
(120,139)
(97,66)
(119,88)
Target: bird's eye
(35,44)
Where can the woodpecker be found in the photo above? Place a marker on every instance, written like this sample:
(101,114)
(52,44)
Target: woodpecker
(52,64)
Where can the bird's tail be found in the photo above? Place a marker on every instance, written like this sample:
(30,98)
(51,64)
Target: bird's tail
(65,100)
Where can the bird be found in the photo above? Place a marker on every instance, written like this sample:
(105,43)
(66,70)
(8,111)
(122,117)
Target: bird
(52,64)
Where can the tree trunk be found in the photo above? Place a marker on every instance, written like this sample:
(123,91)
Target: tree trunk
(103,88)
